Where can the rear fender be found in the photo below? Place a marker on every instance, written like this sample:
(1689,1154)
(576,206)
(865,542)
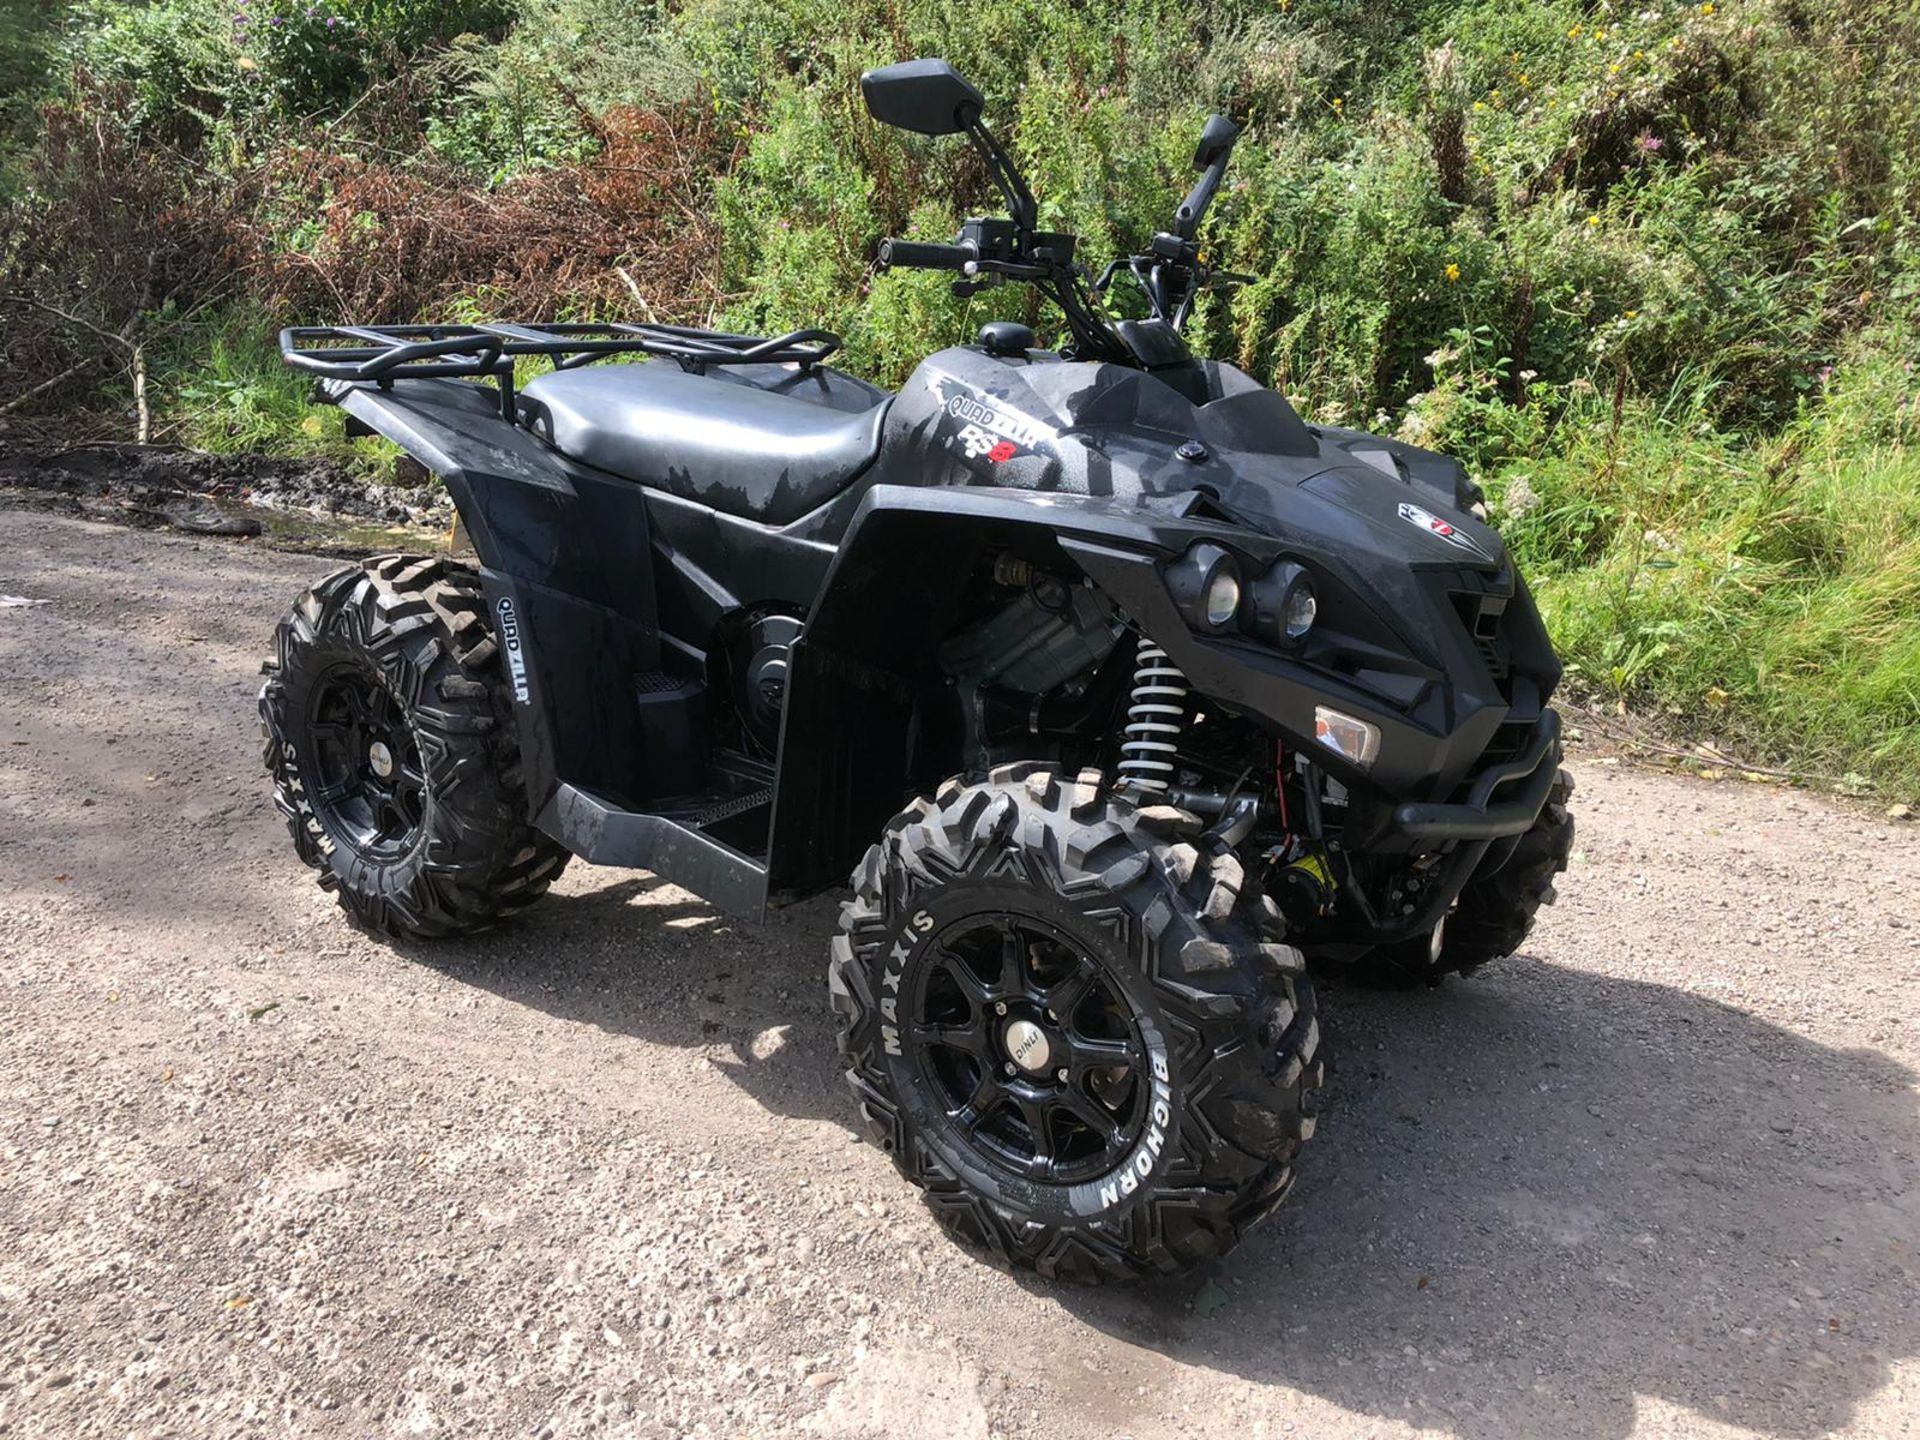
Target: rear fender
(567,565)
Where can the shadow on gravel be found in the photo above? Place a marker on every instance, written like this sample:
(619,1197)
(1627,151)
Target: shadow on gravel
(1535,1196)
(676,973)
(1540,1194)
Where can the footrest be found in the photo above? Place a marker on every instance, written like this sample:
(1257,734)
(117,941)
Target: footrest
(703,811)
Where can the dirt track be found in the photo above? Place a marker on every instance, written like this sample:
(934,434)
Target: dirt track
(592,1174)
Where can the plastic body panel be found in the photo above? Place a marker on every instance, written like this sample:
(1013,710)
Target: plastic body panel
(580,568)
(1107,469)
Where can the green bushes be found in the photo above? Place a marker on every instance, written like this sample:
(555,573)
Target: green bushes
(1764,591)
(315,57)
(26,53)
(173,61)
(1653,270)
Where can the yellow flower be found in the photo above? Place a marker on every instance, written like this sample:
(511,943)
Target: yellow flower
(1707,9)
(1523,82)
(1613,69)
(1574,33)
(1593,219)
(1479,104)
(1453,273)
(1628,314)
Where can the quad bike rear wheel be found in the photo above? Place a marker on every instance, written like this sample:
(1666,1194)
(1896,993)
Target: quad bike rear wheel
(1074,1026)
(390,738)
(1496,914)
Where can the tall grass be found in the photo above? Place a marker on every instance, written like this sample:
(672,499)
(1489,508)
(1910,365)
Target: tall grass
(1768,592)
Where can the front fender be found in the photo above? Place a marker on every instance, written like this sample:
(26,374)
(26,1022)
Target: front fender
(859,735)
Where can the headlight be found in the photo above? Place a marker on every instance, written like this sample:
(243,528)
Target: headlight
(1284,604)
(1223,597)
(1205,584)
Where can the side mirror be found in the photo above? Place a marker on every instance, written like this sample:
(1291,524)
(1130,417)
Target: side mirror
(928,97)
(1215,141)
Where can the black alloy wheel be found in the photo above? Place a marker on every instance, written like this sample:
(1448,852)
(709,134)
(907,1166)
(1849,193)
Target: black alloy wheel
(1074,1025)
(1038,1061)
(367,784)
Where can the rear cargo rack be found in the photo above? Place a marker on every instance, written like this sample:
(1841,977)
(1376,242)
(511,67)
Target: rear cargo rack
(381,354)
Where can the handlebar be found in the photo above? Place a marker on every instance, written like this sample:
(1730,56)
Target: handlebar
(919,255)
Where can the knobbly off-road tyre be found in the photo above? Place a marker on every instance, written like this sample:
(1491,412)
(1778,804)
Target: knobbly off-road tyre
(399,648)
(1495,915)
(1186,957)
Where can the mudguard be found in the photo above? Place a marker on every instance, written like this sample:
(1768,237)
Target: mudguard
(857,741)
(567,565)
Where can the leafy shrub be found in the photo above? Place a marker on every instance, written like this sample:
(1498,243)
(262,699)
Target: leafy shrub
(316,56)
(529,101)
(26,54)
(173,62)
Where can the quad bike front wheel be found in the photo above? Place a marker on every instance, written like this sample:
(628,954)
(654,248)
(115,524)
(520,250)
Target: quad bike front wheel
(1495,914)
(390,738)
(1074,1027)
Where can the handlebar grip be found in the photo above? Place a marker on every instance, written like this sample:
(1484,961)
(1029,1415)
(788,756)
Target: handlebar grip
(918,255)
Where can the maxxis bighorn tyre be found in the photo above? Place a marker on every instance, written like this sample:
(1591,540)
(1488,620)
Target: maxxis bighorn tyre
(1178,938)
(407,635)
(1494,915)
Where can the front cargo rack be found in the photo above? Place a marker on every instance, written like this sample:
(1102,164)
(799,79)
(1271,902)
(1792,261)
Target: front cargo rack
(381,354)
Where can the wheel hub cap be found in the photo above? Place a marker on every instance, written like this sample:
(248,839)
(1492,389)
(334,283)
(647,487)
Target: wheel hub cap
(380,758)
(1027,1044)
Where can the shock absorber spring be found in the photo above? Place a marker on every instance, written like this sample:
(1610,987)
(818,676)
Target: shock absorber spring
(1156,712)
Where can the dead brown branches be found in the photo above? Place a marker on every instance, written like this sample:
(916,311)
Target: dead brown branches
(398,243)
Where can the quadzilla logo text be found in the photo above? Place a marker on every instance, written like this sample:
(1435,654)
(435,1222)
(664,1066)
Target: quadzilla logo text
(516,657)
(990,431)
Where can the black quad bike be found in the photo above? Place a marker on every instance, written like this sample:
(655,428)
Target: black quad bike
(1119,689)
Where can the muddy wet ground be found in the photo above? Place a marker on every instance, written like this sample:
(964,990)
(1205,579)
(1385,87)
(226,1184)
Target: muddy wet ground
(314,506)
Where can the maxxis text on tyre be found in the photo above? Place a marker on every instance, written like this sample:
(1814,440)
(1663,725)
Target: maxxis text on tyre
(1188,969)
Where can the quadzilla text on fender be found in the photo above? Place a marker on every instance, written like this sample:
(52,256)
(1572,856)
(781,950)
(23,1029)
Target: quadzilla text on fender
(1119,689)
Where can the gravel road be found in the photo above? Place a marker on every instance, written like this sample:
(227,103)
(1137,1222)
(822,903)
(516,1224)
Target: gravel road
(592,1174)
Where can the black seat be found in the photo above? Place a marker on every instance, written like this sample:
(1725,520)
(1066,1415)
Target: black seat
(720,439)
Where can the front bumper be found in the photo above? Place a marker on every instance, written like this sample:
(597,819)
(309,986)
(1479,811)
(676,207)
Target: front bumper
(1480,816)
(1482,830)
